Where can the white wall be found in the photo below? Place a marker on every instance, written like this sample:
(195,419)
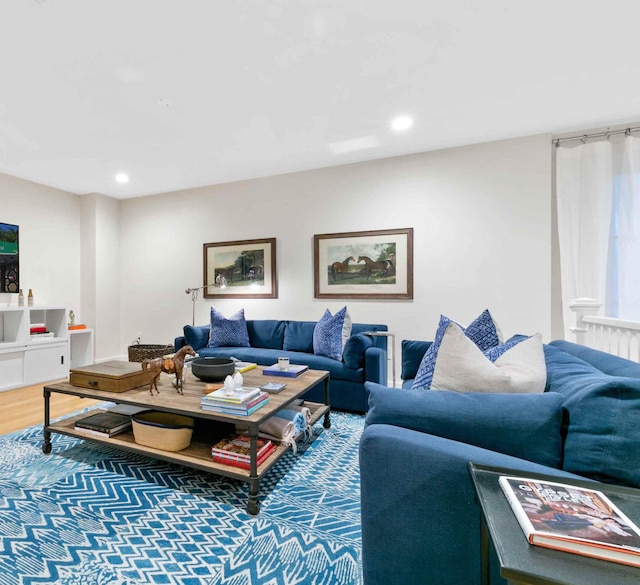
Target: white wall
(482,227)
(49,221)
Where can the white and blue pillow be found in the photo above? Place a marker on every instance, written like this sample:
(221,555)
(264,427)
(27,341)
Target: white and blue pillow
(231,332)
(517,366)
(483,331)
(331,334)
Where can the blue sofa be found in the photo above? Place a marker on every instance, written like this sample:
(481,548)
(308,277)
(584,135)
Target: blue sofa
(365,357)
(420,521)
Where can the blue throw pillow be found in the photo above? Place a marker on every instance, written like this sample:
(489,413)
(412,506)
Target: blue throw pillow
(483,331)
(529,426)
(196,336)
(354,349)
(331,334)
(231,332)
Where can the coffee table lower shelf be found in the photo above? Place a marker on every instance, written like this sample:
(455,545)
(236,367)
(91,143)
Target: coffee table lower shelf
(197,455)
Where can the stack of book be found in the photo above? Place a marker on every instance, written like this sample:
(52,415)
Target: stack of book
(234,450)
(104,424)
(39,330)
(241,402)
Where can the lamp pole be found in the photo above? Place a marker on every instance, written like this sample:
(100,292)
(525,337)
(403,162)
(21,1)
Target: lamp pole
(194,297)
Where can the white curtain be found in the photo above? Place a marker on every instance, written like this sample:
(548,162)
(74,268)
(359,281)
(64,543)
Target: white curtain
(627,268)
(598,192)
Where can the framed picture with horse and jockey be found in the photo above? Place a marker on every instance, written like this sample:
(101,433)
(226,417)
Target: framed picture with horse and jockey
(364,265)
(241,269)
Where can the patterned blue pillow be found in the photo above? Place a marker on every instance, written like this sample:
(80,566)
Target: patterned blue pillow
(231,332)
(331,334)
(483,331)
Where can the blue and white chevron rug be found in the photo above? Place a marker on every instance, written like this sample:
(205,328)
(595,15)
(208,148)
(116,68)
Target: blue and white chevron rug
(93,515)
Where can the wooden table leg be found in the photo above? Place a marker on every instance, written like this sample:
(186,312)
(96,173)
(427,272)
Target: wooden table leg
(46,444)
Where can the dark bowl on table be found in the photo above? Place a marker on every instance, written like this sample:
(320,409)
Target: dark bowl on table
(212,369)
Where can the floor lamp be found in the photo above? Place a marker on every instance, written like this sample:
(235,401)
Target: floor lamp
(194,297)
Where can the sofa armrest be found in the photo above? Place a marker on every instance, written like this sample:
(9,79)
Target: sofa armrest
(178,342)
(529,426)
(420,521)
(375,365)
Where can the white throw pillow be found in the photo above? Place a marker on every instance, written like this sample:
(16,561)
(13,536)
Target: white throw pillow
(461,366)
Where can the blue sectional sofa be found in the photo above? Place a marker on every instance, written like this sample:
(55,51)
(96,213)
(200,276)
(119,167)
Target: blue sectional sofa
(420,521)
(365,357)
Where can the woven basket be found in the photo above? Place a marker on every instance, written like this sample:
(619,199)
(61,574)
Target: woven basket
(138,352)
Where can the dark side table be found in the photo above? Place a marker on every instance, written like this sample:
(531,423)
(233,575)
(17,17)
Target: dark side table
(528,564)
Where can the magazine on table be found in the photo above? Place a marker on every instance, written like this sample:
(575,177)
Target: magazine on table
(572,519)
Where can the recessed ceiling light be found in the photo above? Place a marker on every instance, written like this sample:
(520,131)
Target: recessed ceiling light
(122,178)
(402,123)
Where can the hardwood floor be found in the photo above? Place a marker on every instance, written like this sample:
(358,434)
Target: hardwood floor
(24,407)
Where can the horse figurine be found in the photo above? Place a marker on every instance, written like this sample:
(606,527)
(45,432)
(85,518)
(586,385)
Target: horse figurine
(169,365)
(370,265)
(339,267)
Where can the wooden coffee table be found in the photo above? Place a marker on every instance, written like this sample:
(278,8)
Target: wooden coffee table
(209,425)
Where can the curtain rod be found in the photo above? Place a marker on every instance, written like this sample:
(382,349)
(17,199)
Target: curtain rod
(585,137)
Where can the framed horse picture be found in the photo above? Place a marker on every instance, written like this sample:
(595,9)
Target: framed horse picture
(364,265)
(242,269)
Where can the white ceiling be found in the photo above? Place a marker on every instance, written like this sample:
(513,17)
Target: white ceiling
(267,87)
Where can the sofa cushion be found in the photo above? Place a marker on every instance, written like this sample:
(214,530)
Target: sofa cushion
(528,426)
(604,417)
(228,332)
(354,350)
(331,333)
(196,336)
(267,357)
(412,354)
(483,331)
(517,366)
(266,333)
(298,336)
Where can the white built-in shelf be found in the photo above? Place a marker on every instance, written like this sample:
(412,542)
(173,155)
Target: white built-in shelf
(25,360)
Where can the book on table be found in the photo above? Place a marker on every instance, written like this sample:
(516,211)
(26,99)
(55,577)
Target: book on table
(572,519)
(104,423)
(240,409)
(238,396)
(244,366)
(242,464)
(293,371)
(235,450)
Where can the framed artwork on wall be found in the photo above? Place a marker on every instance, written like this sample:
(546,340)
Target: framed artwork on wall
(242,269)
(364,265)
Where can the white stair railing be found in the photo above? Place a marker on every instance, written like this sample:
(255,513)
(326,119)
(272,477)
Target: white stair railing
(616,336)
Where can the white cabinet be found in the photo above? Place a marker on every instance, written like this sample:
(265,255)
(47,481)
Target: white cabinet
(30,359)
(46,362)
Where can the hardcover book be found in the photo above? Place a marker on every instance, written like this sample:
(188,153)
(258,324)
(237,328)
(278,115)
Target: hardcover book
(246,464)
(106,423)
(239,396)
(293,371)
(234,409)
(572,519)
(238,447)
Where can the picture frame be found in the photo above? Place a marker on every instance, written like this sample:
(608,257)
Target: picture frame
(243,269)
(364,265)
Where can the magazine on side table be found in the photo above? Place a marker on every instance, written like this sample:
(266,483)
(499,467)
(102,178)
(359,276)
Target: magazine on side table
(573,519)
